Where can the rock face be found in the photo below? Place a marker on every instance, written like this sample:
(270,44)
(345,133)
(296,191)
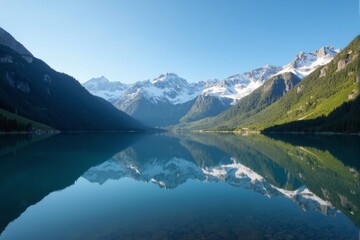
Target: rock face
(353,94)
(323,72)
(299,89)
(322,52)
(342,63)
(9,41)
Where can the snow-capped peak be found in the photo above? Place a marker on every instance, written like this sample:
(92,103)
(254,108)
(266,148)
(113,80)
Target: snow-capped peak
(96,83)
(167,87)
(305,63)
(170,80)
(102,83)
(101,79)
(104,88)
(322,52)
(168,77)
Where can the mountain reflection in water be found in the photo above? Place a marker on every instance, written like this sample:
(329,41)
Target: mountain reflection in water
(319,174)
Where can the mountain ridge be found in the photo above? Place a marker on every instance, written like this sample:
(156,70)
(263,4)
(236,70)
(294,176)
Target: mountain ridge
(8,40)
(34,90)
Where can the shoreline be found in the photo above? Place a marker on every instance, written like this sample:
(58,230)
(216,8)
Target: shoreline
(50,132)
(261,132)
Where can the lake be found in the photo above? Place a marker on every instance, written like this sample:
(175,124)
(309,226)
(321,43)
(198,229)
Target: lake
(179,186)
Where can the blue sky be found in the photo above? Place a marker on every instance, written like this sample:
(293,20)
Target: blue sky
(132,40)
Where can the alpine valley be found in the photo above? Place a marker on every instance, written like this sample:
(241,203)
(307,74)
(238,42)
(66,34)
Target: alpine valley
(317,91)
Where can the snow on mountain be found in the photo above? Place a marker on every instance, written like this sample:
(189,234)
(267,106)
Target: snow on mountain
(102,87)
(240,85)
(262,74)
(307,200)
(200,85)
(176,171)
(167,88)
(153,170)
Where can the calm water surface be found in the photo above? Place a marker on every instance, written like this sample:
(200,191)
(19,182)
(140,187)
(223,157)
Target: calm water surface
(179,186)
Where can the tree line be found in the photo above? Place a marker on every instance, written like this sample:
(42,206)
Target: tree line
(11,125)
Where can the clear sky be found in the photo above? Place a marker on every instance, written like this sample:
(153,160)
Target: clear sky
(132,40)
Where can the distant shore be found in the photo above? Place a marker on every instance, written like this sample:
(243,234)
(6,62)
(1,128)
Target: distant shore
(265,132)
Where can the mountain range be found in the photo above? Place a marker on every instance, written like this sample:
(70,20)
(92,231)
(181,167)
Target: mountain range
(150,101)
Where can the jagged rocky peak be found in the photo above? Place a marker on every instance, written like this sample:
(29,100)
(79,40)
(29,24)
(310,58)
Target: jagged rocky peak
(7,40)
(303,59)
(327,50)
(307,59)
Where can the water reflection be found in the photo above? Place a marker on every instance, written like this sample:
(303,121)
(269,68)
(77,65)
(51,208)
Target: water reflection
(31,167)
(297,185)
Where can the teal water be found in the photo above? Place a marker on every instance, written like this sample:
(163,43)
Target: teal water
(179,186)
